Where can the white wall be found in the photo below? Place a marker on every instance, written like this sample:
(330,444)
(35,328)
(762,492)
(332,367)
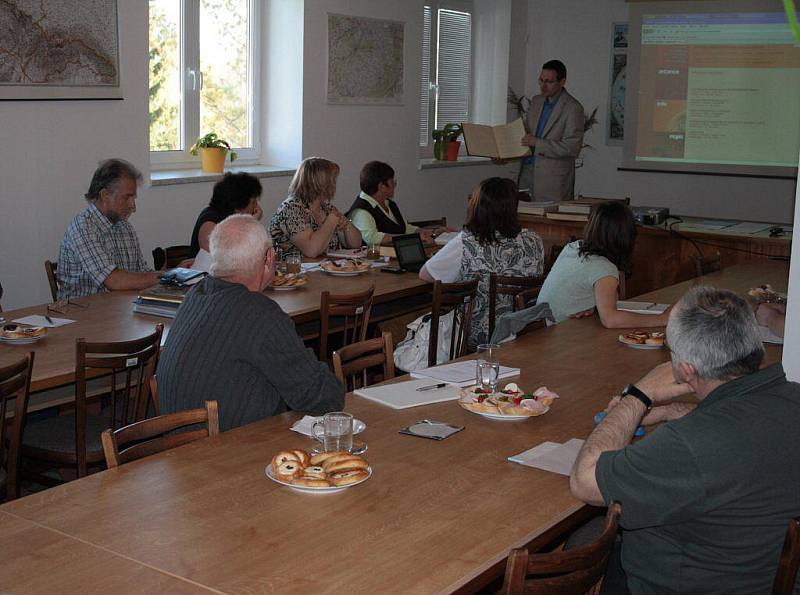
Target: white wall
(578,33)
(57,145)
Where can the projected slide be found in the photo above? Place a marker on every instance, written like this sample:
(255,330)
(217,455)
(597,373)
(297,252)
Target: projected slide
(719,89)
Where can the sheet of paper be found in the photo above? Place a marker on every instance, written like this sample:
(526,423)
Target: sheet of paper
(767,336)
(36,320)
(402,395)
(508,137)
(642,307)
(306,267)
(458,373)
(202,262)
(711,224)
(445,237)
(525,457)
(747,227)
(557,459)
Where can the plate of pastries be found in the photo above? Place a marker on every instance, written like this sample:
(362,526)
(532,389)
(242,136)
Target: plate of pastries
(321,473)
(508,403)
(345,267)
(764,294)
(287,281)
(21,334)
(643,339)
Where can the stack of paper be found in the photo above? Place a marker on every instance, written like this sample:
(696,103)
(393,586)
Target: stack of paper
(36,320)
(642,307)
(402,395)
(551,456)
(458,373)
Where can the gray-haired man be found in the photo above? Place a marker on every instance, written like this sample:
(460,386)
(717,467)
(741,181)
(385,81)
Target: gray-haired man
(706,498)
(100,250)
(232,344)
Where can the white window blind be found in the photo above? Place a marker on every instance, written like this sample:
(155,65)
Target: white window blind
(425,78)
(453,68)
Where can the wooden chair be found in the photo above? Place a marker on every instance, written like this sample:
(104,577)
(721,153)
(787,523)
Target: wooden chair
(458,298)
(552,256)
(786,576)
(171,256)
(15,383)
(351,363)
(73,440)
(564,572)
(51,268)
(353,313)
(704,266)
(151,436)
(508,285)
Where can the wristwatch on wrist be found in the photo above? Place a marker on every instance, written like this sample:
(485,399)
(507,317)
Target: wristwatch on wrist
(634,392)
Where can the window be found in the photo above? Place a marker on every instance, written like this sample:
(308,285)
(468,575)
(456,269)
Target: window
(202,76)
(445,80)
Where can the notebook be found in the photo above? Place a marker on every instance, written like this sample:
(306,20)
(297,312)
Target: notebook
(402,395)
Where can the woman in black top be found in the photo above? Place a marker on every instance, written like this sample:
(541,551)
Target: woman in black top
(234,193)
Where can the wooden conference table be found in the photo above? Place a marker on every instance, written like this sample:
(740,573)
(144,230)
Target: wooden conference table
(434,517)
(110,317)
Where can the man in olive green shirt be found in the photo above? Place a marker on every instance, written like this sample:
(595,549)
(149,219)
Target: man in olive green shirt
(706,498)
(374,212)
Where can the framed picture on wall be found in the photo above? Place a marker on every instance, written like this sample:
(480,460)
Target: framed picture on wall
(62,50)
(615,133)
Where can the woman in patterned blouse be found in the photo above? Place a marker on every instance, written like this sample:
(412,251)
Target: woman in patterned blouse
(306,222)
(492,241)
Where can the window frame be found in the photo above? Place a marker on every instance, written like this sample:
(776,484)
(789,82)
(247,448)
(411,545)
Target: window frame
(465,6)
(189,125)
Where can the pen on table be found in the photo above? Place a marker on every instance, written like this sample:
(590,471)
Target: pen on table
(48,319)
(432,386)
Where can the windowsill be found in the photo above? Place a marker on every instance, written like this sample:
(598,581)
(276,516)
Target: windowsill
(169,177)
(463,161)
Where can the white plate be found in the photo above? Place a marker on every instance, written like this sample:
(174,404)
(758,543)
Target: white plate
(22,341)
(639,345)
(330,490)
(344,273)
(503,417)
(286,287)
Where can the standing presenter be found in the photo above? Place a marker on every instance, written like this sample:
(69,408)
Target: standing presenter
(556,120)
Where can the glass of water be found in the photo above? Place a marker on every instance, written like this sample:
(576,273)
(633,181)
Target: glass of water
(489,372)
(335,431)
(487,354)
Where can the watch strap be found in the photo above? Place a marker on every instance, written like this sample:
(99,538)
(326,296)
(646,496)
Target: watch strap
(633,391)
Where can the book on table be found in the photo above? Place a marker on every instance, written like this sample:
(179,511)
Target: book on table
(498,142)
(537,208)
(567,216)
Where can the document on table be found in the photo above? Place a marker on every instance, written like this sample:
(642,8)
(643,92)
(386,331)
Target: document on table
(642,307)
(458,373)
(767,336)
(36,320)
(747,227)
(402,395)
(202,261)
(551,456)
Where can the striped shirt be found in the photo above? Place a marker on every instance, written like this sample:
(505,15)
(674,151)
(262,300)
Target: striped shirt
(92,249)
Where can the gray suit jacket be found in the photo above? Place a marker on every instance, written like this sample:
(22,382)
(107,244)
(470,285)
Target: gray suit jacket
(556,151)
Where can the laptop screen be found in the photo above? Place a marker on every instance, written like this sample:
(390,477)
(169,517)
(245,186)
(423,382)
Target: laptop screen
(409,250)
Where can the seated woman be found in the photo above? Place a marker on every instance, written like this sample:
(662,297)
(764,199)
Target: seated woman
(233,194)
(492,242)
(306,222)
(586,274)
(375,213)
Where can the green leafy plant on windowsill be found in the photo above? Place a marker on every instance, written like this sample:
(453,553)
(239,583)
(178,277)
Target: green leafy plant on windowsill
(212,141)
(213,151)
(442,137)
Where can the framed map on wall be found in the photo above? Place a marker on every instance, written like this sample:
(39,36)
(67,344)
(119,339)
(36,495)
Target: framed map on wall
(365,60)
(59,49)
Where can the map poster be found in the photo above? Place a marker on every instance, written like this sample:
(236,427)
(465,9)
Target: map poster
(365,60)
(59,49)
(615,134)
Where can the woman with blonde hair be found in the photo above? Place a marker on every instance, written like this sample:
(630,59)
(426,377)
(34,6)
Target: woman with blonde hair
(306,222)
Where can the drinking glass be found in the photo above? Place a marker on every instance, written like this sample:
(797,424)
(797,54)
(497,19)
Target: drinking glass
(374,252)
(487,352)
(293,263)
(335,431)
(488,373)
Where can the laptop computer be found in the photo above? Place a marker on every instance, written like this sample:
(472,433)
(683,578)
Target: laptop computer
(410,252)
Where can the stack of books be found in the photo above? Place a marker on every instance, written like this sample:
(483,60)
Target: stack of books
(160,300)
(537,208)
(578,209)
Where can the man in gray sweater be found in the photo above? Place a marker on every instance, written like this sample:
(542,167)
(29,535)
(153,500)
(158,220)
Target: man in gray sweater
(233,344)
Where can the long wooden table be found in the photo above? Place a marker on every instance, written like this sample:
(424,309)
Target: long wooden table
(110,317)
(434,517)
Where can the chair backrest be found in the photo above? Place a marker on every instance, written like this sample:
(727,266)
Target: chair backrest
(151,436)
(511,286)
(351,363)
(15,383)
(705,265)
(460,299)
(171,256)
(351,316)
(135,361)
(786,576)
(51,268)
(564,572)
(552,256)
(442,222)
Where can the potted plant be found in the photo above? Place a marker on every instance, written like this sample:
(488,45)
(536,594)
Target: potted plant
(212,152)
(446,144)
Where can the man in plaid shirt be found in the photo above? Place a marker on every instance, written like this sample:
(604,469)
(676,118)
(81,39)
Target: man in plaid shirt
(100,250)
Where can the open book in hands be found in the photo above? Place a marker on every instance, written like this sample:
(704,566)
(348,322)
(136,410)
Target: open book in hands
(499,142)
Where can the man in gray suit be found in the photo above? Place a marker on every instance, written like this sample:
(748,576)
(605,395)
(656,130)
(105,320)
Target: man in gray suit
(555,122)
